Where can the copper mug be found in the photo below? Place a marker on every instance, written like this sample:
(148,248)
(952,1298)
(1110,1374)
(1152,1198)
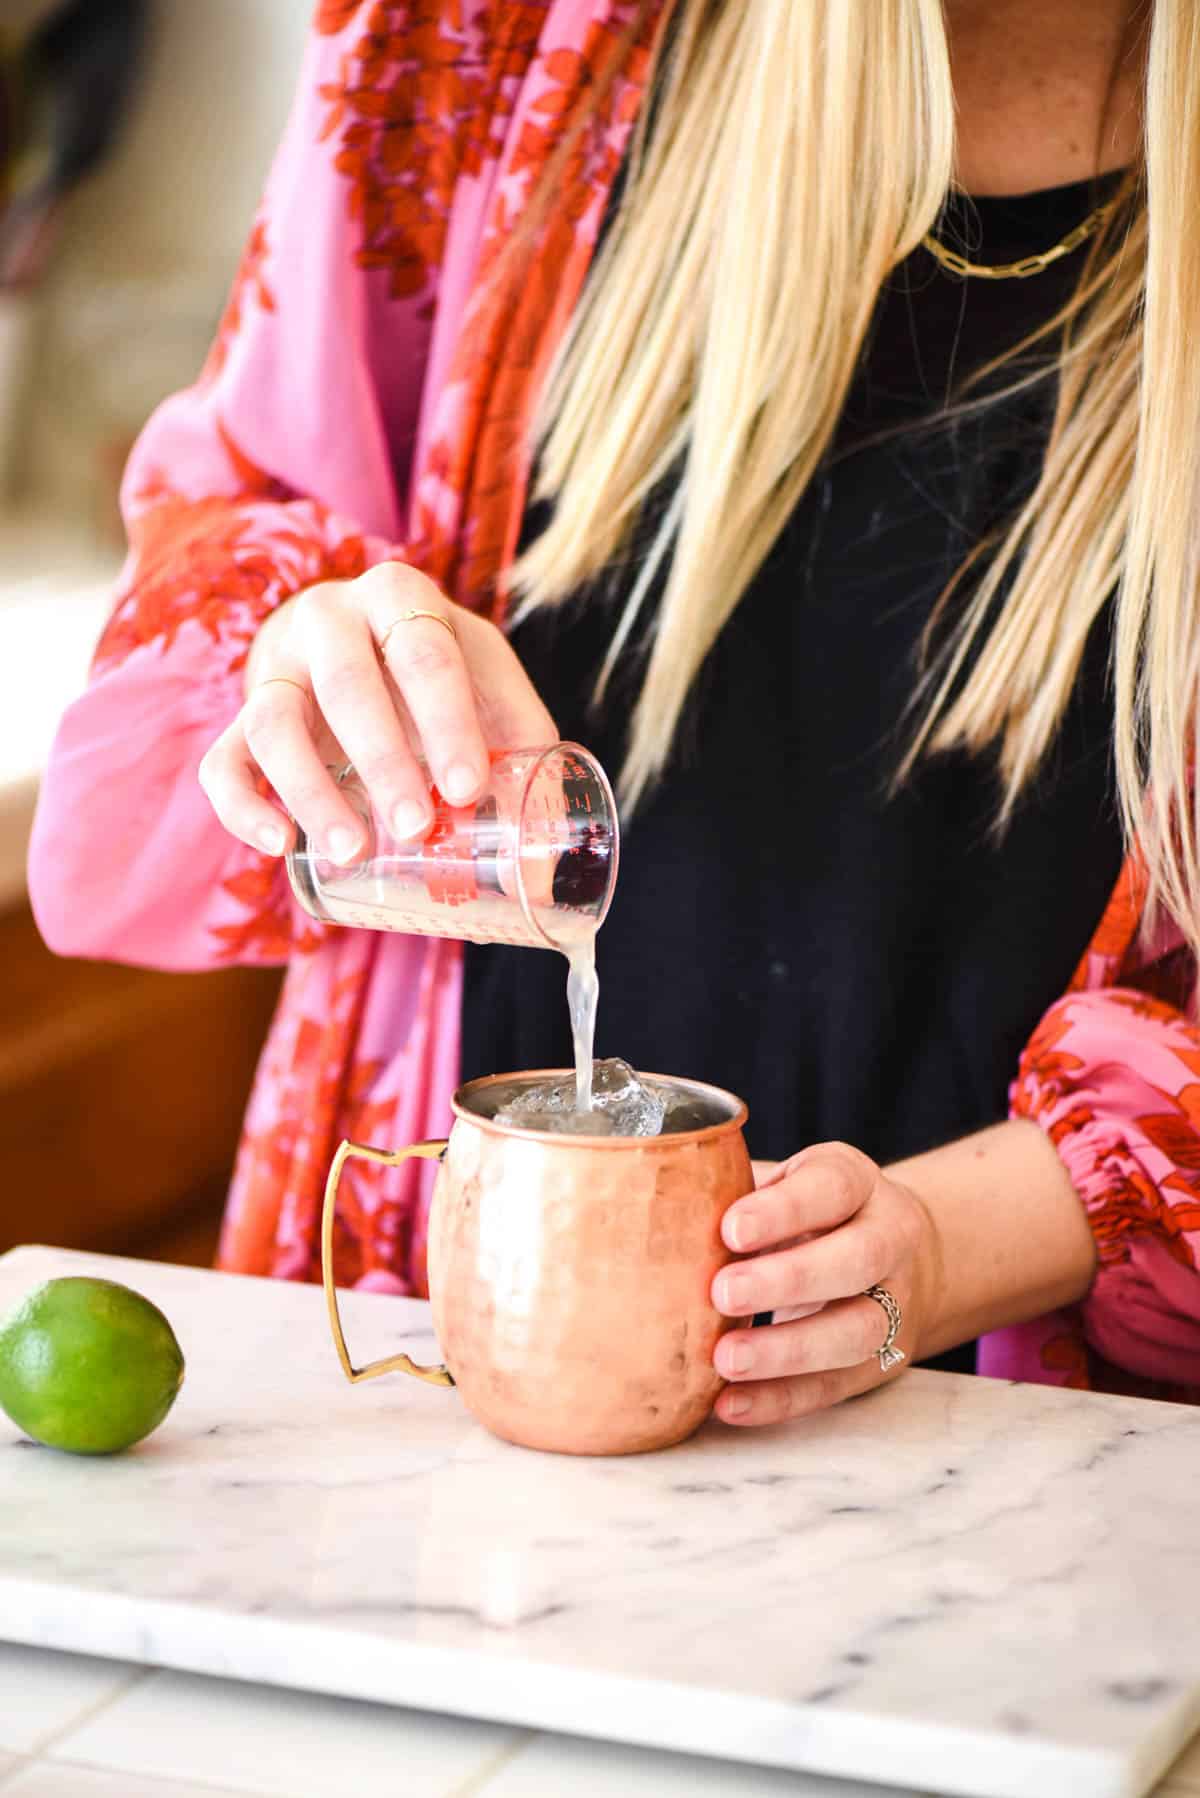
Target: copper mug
(570,1276)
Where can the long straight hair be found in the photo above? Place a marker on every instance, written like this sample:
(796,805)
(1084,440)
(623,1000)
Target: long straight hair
(797,153)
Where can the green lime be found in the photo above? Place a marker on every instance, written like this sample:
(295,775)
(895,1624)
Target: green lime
(87,1366)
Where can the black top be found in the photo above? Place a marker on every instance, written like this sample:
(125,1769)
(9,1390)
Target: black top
(857,964)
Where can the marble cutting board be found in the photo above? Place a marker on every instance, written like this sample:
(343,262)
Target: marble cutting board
(958,1585)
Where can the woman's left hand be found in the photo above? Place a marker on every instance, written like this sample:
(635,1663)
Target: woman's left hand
(818,1230)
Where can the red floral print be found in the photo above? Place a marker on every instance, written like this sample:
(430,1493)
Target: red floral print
(249,284)
(333,16)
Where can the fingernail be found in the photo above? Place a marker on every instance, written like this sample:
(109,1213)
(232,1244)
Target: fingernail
(343,845)
(737,1406)
(460,782)
(745,1231)
(409,819)
(736,1290)
(271,839)
(739,1359)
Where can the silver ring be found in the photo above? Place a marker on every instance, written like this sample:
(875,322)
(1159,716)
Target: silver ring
(889,1355)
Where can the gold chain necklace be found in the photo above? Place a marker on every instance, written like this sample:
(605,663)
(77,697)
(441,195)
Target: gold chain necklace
(1028,265)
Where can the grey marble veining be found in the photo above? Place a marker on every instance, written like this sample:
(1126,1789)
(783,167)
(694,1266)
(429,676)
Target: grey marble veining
(958,1585)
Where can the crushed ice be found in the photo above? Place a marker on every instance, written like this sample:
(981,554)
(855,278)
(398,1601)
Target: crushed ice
(621,1105)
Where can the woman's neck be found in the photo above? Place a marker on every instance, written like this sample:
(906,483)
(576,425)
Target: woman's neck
(1046,94)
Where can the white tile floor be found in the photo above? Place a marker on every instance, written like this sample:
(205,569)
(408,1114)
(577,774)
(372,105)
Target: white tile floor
(43,1694)
(49,1779)
(552,1766)
(77,1728)
(281,1744)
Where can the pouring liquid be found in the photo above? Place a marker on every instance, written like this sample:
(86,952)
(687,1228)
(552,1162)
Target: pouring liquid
(583,993)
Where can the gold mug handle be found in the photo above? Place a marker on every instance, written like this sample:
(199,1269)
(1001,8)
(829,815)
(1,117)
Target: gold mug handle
(349,1151)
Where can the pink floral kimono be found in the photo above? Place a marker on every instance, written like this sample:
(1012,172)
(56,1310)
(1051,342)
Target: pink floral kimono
(367,397)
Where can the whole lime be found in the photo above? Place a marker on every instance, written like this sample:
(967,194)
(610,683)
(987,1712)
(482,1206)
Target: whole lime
(87,1365)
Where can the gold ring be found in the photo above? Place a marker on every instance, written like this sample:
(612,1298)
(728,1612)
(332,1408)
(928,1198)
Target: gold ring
(407,618)
(283,680)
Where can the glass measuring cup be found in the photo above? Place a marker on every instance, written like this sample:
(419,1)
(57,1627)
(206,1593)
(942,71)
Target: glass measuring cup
(533,861)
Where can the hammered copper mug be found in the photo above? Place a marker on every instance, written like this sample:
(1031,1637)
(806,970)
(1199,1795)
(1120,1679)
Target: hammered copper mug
(570,1276)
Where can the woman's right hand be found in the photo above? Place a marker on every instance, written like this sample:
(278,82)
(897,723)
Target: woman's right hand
(319,692)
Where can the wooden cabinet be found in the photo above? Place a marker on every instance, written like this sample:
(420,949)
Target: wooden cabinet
(121,1097)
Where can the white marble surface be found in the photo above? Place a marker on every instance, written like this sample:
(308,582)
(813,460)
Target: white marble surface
(957,1585)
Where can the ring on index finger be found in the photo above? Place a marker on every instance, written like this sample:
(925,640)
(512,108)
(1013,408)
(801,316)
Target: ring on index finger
(408,618)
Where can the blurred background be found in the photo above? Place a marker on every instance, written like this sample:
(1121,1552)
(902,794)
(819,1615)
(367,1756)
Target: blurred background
(134,138)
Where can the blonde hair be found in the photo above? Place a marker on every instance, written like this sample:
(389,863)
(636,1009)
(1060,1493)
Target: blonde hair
(798,153)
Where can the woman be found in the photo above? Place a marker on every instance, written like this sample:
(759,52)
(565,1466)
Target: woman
(842,530)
